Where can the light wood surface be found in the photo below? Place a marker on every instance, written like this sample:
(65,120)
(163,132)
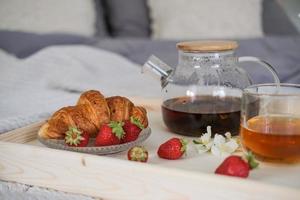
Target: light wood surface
(115,178)
(207,46)
(22,135)
(119,179)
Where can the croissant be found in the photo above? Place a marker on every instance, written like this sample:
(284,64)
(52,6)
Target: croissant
(140,113)
(61,120)
(92,110)
(120,108)
(97,107)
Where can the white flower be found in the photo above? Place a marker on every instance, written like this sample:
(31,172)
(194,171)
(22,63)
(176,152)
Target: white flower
(206,138)
(202,148)
(219,139)
(223,146)
(205,142)
(219,145)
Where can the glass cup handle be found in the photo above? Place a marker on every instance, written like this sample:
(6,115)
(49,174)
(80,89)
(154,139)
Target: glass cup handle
(265,104)
(263,63)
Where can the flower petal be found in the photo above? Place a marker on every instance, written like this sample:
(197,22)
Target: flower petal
(209,145)
(219,139)
(231,145)
(208,129)
(220,151)
(205,138)
(215,150)
(228,135)
(201,148)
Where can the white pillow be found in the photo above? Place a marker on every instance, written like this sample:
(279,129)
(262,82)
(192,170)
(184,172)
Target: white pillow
(47,16)
(206,19)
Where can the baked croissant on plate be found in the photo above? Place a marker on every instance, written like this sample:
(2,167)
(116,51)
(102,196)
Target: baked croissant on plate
(92,110)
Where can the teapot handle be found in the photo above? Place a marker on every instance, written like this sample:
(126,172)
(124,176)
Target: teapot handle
(263,63)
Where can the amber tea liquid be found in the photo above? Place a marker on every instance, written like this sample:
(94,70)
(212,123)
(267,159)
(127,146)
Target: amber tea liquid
(190,116)
(273,138)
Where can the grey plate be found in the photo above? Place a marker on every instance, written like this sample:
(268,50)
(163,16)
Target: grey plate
(60,144)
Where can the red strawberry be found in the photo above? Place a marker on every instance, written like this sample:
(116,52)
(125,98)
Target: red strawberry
(132,128)
(138,153)
(110,134)
(237,166)
(172,149)
(76,138)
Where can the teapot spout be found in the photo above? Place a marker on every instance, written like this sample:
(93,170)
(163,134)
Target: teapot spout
(161,70)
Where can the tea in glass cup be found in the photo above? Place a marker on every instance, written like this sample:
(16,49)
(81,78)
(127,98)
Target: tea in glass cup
(270,122)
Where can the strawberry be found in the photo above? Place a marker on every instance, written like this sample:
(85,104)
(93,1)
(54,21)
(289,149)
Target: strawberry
(132,128)
(237,166)
(172,149)
(76,138)
(138,153)
(110,134)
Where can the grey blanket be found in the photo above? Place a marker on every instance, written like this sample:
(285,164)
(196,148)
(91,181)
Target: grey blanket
(33,88)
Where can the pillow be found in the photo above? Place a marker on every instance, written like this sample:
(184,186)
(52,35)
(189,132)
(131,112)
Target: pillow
(275,21)
(100,26)
(44,16)
(127,18)
(204,19)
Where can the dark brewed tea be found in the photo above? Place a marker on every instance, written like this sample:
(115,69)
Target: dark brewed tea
(191,115)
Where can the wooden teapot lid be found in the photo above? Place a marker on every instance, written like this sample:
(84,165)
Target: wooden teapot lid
(207,46)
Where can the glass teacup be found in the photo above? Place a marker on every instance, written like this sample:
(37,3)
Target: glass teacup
(270,122)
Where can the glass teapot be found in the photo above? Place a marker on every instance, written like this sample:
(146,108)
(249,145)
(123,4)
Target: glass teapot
(205,88)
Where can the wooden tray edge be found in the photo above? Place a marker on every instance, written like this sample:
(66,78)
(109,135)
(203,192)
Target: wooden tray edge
(20,163)
(22,135)
(113,178)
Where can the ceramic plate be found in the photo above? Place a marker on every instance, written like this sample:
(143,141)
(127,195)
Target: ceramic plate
(60,144)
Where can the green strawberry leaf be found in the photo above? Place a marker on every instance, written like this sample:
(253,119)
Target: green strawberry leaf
(184,143)
(117,128)
(74,130)
(138,153)
(137,122)
(251,160)
(73,136)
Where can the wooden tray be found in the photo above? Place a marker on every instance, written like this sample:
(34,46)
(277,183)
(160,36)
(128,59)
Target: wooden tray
(24,160)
